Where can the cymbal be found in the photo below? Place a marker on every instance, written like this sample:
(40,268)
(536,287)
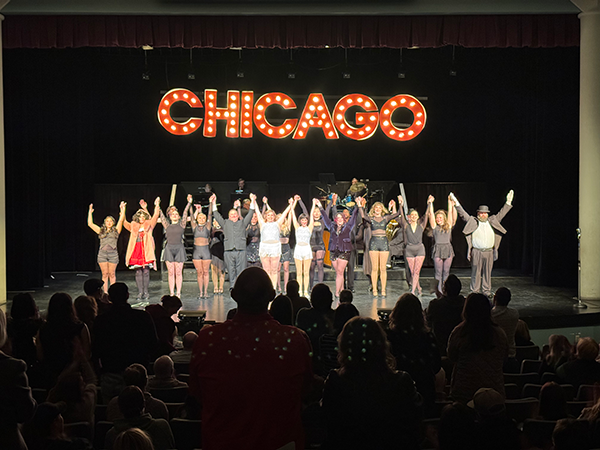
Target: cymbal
(357,187)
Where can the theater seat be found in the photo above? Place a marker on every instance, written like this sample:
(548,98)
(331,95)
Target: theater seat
(538,433)
(527,352)
(531,365)
(170,395)
(187,433)
(521,379)
(519,410)
(100,431)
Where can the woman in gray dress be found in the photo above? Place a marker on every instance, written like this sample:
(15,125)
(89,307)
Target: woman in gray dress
(442,224)
(201,224)
(414,251)
(174,250)
(108,233)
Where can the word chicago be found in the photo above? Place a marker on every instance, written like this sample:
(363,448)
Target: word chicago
(242,115)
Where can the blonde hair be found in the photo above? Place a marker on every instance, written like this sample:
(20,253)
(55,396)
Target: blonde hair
(384,210)
(446,225)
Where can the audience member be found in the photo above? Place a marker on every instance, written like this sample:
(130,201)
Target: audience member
(184,355)
(23,325)
(456,429)
(445,313)
(522,335)
(76,390)
(131,404)
(414,346)
(133,439)
(16,403)
(93,288)
(506,318)
(122,336)
(494,430)
(560,352)
(328,345)
(553,402)
(164,375)
(317,320)
(86,310)
(281,310)
(46,431)
(346,296)
(164,324)
(136,375)
(584,369)
(249,374)
(571,434)
(58,337)
(231,313)
(478,348)
(367,403)
(292,290)
(592,413)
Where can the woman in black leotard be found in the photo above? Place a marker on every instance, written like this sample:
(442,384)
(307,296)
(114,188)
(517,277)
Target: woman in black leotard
(316,243)
(414,251)
(174,250)
(201,224)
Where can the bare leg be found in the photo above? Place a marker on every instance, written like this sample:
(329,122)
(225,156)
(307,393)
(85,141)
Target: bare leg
(205,271)
(104,268)
(112,273)
(339,275)
(300,274)
(411,267)
(179,277)
(199,274)
(305,268)
(383,257)
(286,274)
(171,269)
(278,277)
(374,270)
(215,279)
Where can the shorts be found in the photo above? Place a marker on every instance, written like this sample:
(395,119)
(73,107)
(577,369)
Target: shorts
(318,247)
(286,253)
(108,256)
(379,244)
(337,254)
(175,253)
(414,250)
(303,252)
(267,250)
(201,252)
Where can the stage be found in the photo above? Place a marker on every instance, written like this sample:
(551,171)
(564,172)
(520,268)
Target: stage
(543,308)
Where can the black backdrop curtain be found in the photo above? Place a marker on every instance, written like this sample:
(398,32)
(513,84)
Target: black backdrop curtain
(291,32)
(78,118)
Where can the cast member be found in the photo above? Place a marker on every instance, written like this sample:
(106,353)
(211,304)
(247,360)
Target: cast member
(303,253)
(442,224)
(414,251)
(201,224)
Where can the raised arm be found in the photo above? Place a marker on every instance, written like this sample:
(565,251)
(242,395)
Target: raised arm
(163,219)
(285,212)
(430,212)
(122,206)
(311,220)
(211,200)
(507,206)
(157,212)
(452,214)
(303,206)
(265,206)
(461,211)
(324,216)
(352,219)
(216,213)
(394,211)
(402,215)
(254,206)
(90,220)
(361,202)
(293,214)
(186,211)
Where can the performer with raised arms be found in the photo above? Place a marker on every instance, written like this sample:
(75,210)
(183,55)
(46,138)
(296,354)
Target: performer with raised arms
(108,233)
(303,253)
(202,226)
(414,251)
(442,224)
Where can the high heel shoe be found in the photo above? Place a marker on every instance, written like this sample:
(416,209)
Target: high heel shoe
(383,294)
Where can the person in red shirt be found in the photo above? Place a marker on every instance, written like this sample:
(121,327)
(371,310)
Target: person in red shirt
(250,373)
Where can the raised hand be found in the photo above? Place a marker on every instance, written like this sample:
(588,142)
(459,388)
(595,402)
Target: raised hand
(143,204)
(213,198)
(453,197)
(122,206)
(265,199)
(400,200)
(237,204)
(91,207)
(334,198)
(156,202)
(291,201)
(430,199)
(510,196)
(190,198)
(252,197)
(296,197)
(391,204)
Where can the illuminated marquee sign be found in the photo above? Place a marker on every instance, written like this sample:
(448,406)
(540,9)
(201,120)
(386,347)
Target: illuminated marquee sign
(241,115)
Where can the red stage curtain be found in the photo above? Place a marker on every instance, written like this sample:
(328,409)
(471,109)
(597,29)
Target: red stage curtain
(289,32)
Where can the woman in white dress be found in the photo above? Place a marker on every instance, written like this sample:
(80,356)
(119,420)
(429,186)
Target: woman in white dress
(303,251)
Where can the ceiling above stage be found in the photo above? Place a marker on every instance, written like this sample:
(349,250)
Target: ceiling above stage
(288,7)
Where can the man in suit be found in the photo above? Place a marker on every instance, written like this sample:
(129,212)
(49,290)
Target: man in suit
(483,234)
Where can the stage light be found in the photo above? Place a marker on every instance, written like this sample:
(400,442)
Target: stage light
(452,73)
(291,76)
(146,76)
(191,76)
(402,75)
(240,74)
(346,75)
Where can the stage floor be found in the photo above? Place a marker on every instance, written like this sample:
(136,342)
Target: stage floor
(540,306)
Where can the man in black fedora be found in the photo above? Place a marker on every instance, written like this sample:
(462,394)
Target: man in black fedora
(483,234)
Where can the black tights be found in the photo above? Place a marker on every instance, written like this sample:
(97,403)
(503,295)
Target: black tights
(142,280)
(317,260)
